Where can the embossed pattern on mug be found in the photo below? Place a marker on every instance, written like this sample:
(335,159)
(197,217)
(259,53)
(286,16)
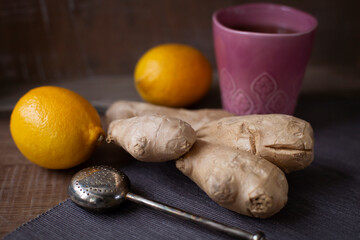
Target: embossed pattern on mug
(234,99)
(271,99)
(265,96)
(263,86)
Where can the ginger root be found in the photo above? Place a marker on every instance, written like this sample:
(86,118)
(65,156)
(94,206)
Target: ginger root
(196,118)
(152,138)
(284,140)
(237,160)
(236,180)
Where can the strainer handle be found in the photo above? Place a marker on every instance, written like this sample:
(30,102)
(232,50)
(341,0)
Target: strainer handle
(235,232)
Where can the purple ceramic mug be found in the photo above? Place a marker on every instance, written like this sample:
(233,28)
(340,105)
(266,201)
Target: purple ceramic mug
(261,51)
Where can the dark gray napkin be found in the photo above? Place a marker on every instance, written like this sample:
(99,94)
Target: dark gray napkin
(324,199)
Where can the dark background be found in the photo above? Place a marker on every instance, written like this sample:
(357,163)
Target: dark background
(43,41)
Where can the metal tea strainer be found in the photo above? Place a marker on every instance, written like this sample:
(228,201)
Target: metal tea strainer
(102,188)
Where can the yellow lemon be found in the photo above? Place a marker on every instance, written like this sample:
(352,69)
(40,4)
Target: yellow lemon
(54,127)
(173,75)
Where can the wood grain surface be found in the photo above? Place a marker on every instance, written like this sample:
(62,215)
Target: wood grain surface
(27,190)
(43,40)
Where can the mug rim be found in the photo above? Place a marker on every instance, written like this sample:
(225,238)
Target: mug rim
(267,5)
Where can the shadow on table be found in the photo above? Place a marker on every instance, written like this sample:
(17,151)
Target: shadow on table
(105,154)
(327,110)
(313,189)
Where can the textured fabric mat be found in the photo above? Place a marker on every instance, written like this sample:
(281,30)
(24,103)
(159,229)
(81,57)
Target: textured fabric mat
(324,199)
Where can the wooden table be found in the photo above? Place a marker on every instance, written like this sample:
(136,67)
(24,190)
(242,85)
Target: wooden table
(27,190)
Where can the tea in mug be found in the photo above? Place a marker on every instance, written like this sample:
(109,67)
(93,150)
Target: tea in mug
(262,29)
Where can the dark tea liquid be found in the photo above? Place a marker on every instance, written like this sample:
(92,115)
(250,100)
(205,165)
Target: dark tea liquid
(262,29)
